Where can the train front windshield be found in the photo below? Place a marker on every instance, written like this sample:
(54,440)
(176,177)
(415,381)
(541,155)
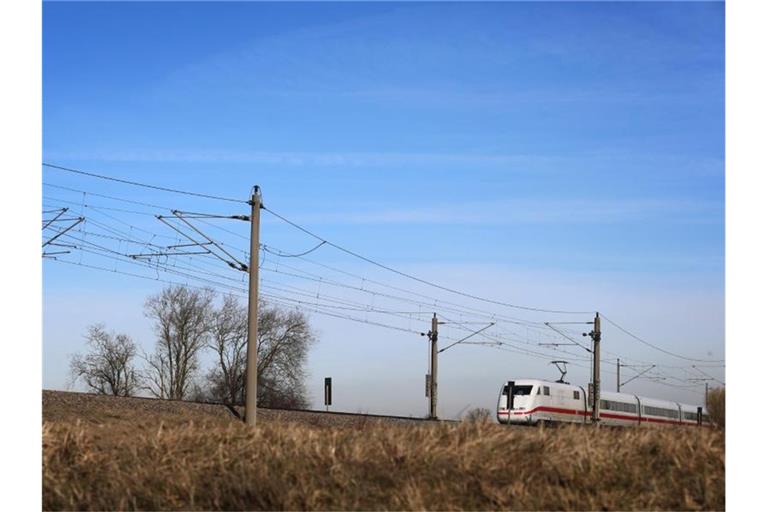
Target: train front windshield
(517,392)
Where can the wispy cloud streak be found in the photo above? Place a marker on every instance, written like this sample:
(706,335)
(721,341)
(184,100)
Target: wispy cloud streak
(521,162)
(531,211)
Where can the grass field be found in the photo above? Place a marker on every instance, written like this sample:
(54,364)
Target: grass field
(192,460)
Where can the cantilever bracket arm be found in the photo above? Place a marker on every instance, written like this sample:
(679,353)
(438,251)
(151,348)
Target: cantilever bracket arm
(467,337)
(78,221)
(639,374)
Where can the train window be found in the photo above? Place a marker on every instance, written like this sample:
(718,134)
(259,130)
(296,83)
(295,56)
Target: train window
(618,406)
(538,391)
(660,411)
(575,395)
(521,390)
(546,390)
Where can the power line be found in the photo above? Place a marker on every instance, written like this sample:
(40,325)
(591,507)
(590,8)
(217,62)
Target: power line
(316,308)
(160,268)
(465,338)
(321,280)
(432,304)
(164,268)
(140,203)
(93,248)
(104,269)
(305,306)
(145,185)
(281,254)
(561,333)
(266,248)
(706,374)
(86,205)
(236,265)
(368,309)
(501,341)
(657,347)
(418,279)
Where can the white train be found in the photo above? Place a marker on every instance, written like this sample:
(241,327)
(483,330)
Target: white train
(533,402)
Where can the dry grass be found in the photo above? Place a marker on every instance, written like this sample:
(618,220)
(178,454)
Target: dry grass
(221,464)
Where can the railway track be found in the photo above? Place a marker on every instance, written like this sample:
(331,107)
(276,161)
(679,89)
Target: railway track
(71,406)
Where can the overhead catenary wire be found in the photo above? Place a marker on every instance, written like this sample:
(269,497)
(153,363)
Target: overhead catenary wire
(129,257)
(430,304)
(634,336)
(284,255)
(418,279)
(706,374)
(361,308)
(145,185)
(278,252)
(443,305)
(462,340)
(166,208)
(561,333)
(357,255)
(237,264)
(436,303)
(97,194)
(96,250)
(321,309)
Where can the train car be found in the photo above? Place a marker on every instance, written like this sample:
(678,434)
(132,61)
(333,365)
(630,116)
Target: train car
(534,401)
(659,412)
(531,401)
(689,415)
(619,409)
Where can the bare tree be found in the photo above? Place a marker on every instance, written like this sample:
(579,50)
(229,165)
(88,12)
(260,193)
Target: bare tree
(108,368)
(182,323)
(229,337)
(282,347)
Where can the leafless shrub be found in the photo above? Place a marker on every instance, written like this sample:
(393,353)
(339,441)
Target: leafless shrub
(716,406)
(108,367)
(478,415)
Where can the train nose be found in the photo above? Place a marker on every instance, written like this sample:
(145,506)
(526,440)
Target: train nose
(514,416)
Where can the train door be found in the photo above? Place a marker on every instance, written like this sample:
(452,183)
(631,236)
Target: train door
(585,405)
(517,396)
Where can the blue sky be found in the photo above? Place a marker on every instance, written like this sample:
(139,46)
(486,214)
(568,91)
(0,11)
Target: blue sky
(563,155)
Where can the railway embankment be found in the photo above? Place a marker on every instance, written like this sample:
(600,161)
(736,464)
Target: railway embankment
(61,406)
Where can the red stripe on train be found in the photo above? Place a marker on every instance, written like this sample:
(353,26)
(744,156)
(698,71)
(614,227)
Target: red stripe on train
(544,408)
